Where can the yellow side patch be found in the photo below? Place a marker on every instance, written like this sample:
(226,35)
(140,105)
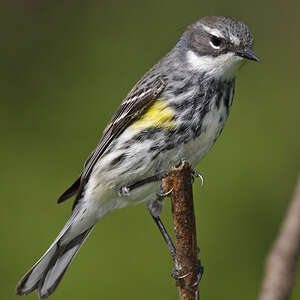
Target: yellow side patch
(157,115)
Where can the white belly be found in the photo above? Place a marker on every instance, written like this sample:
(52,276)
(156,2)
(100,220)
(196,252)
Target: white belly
(213,124)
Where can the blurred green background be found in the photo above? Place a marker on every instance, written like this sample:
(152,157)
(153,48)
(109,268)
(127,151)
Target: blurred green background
(65,67)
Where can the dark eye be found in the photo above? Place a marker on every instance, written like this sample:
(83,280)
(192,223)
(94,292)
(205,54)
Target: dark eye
(216,42)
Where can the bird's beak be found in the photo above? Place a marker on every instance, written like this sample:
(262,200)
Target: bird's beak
(248,54)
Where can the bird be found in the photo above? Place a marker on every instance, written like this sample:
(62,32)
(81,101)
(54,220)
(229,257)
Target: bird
(175,112)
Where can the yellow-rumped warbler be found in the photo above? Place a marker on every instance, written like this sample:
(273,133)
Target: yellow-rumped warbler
(176,111)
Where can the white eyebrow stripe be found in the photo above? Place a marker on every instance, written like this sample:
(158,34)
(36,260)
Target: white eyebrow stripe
(213,31)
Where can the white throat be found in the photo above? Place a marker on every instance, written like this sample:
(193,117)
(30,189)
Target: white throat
(225,65)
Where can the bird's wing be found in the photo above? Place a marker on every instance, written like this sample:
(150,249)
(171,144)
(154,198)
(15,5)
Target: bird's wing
(139,98)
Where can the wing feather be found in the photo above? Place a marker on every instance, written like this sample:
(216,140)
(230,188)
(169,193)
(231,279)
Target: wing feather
(139,98)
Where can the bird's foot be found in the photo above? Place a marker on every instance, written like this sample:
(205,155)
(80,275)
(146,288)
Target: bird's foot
(176,275)
(161,194)
(196,174)
(200,271)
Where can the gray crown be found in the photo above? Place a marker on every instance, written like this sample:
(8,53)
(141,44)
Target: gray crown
(230,34)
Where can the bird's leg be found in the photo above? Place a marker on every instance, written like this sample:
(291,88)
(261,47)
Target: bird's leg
(165,235)
(155,208)
(126,189)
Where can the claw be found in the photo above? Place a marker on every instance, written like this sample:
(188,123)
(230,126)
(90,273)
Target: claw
(162,195)
(175,275)
(198,175)
(200,270)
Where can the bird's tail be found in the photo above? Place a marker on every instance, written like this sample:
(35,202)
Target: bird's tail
(46,274)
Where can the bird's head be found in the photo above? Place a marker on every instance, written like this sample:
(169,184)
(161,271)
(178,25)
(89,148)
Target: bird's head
(218,46)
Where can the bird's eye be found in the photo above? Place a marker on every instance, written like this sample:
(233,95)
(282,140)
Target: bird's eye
(216,42)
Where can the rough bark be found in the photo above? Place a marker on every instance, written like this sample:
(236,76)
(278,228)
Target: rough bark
(180,179)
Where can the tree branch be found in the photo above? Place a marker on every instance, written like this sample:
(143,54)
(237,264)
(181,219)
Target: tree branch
(280,267)
(180,180)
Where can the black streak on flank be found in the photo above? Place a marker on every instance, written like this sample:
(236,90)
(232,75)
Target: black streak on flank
(219,95)
(227,100)
(146,134)
(118,160)
(154,148)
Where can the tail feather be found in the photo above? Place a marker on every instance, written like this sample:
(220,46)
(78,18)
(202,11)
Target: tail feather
(46,274)
(30,281)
